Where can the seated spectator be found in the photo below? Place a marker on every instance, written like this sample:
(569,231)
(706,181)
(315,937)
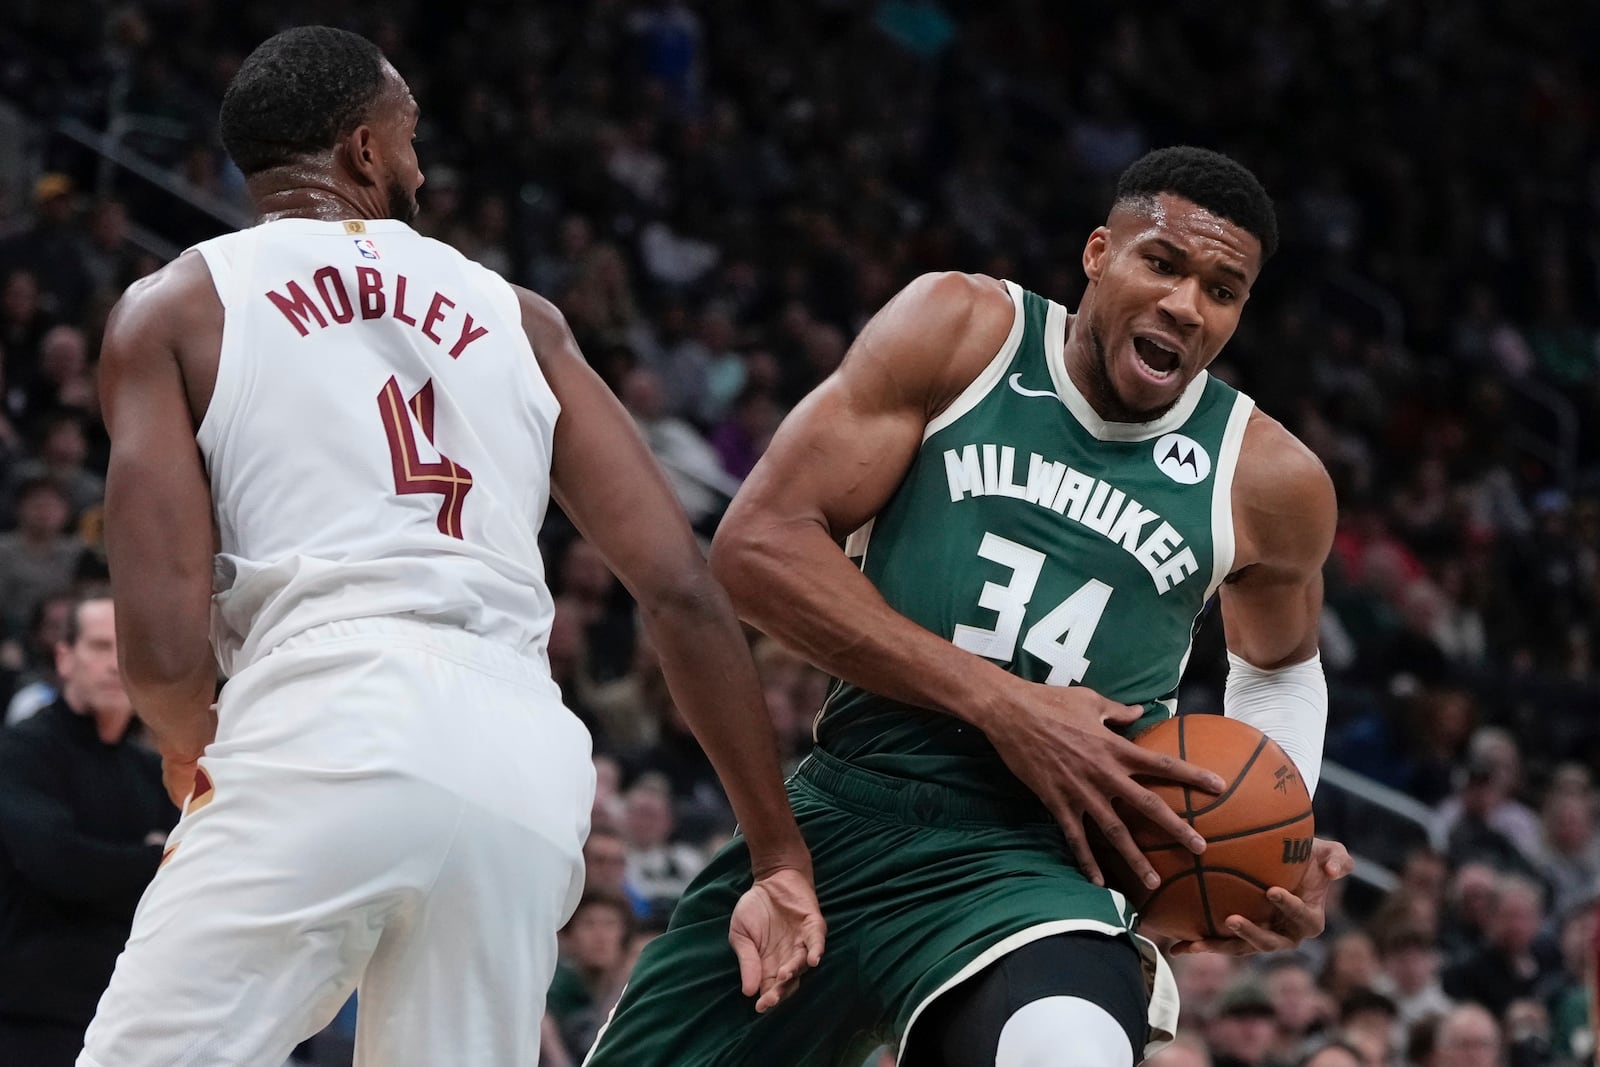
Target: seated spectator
(592,968)
(605,869)
(567,649)
(691,465)
(1245,1027)
(1352,965)
(23,324)
(1410,978)
(1500,829)
(1510,964)
(83,820)
(676,756)
(658,868)
(628,711)
(38,558)
(1567,852)
(1469,906)
(63,381)
(585,585)
(1566,995)
(1201,977)
(49,248)
(1423,875)
(37,683)
(1467,1037)
(742,438)
(1303,1010)
(109,258)
(62,458)
(794,692)
(1527,1034)
(1368,1022)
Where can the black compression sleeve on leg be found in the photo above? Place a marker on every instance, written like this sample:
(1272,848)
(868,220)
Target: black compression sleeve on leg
(962,1028)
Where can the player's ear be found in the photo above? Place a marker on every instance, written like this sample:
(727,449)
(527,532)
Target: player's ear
(362,154)
(1095,252)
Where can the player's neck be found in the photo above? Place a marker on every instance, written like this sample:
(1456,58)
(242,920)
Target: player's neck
(277,195)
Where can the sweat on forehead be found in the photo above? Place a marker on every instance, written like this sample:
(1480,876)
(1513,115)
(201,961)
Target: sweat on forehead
(1183,228)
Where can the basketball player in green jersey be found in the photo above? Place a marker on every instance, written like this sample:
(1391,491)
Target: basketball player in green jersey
(1035,507)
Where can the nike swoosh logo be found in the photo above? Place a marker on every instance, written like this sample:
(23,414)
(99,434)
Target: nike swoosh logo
(1016,384)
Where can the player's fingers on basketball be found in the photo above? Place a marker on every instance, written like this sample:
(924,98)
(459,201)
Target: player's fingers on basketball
(1119,837)
(1296,917)
(1332,858)
(1156,810)
(1169,767)
(1256,938)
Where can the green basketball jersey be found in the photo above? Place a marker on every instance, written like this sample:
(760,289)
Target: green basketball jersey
(1066,549)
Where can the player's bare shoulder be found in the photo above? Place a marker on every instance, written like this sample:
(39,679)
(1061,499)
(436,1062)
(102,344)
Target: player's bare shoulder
(1283,499)
(172,313)
(171,302)
(547,329)
(937,334)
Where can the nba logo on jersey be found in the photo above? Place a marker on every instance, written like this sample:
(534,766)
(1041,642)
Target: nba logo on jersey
(367,249)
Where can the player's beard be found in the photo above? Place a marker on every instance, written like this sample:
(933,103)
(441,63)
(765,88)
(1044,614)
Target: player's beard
(1104,396)
(403,204)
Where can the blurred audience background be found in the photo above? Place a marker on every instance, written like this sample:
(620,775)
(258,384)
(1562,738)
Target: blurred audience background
(719,194)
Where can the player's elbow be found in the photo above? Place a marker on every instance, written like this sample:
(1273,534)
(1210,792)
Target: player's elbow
(739,565)
(691,600)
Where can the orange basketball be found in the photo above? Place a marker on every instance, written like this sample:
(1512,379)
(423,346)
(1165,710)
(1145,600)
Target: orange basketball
(1258,831)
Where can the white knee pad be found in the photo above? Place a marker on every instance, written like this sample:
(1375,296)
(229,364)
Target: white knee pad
(1063,1032)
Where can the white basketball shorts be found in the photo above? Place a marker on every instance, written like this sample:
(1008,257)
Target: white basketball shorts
(395,806)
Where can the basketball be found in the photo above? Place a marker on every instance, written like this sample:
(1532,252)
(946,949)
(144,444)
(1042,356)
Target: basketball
(1258,831)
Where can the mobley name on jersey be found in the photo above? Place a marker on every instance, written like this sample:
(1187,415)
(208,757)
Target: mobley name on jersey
(376,296)
(989,470)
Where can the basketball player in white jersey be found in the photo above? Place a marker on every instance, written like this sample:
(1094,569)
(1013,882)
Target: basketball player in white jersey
(333,442)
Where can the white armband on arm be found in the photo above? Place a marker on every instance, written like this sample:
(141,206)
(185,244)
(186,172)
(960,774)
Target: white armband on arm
(1289,705)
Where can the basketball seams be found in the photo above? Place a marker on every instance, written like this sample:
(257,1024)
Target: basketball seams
(1199,875)
(1220,887)
(1244,772)
(1235,835)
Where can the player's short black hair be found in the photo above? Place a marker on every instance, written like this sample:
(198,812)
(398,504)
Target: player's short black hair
(297,94)
(1210,179)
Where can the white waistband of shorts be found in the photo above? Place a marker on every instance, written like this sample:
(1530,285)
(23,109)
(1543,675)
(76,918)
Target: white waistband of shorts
(444,639)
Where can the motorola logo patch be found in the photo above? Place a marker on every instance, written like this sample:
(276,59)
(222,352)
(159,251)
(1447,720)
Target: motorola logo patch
(1182,459)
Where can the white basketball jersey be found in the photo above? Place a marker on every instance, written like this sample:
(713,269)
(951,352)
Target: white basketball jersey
(379,440)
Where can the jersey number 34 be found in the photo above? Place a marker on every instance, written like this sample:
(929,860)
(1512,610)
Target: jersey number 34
(411,473)
(1060,639)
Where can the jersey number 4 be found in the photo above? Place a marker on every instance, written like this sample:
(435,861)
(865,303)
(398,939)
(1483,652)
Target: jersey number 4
(411,473)
(1060,639)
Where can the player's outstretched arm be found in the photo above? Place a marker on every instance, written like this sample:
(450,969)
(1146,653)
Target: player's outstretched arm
(832,466)
(159,528)
(607,482)
(1284,518)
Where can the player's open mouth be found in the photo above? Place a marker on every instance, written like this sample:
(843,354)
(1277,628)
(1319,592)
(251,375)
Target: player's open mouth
(1159,361)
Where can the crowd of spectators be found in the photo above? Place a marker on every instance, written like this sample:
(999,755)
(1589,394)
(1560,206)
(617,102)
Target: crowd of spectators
(718,194)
